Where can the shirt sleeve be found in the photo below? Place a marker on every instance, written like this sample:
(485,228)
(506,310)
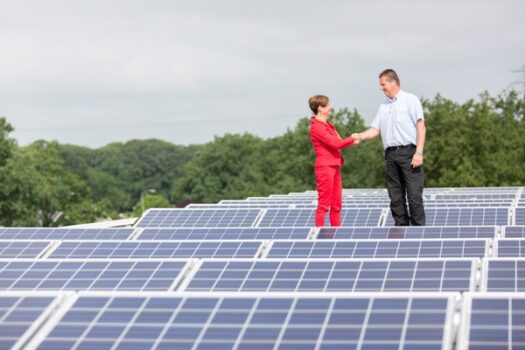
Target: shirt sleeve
(329,140)
(376,122)
(417,110)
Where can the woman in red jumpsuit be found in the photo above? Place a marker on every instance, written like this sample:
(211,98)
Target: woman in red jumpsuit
(328,161)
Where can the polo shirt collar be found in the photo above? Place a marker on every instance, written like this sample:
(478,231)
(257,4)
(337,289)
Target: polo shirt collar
(399,93)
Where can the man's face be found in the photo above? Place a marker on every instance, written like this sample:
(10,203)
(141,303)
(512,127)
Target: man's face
(389,87)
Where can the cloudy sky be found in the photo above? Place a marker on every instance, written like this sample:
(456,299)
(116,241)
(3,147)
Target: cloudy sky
(98,71)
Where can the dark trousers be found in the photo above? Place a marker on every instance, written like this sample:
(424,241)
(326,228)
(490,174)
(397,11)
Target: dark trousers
(404,184)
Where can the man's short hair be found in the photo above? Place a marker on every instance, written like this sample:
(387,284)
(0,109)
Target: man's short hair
(391,75)
(318,101)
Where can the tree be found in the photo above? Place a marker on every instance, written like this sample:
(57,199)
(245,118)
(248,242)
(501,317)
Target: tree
(7,144)
(121,171)
(221,169)
(150,201)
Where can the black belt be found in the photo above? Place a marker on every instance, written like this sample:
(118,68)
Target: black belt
(395,148)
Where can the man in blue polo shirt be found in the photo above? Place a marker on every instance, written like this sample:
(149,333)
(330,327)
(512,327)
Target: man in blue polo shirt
(401,123)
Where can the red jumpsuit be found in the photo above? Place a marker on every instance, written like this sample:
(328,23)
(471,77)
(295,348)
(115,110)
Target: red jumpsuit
(328,162)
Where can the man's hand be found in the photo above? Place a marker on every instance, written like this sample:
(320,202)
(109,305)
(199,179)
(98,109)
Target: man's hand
(417,160)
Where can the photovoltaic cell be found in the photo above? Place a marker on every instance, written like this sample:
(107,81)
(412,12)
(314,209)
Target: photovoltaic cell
(519,216)
(510,248)
(513,231)
(157,249)
(137,275)
(492,321)
(504,275)
(323,275)
(305,217)
(198,218)
(254,322)
(460,248)
(224,233)
(41,233)
(22,249)
(407,232)
(463,217)
(17,314)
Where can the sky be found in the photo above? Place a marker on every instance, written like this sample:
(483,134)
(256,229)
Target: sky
(99,71)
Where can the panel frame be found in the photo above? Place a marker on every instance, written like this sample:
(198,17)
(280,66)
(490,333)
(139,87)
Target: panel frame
(65,229)
(312,215)
(317,231)
(473,283)
(484,278)
(466,313)
(187,265)
(504,231)
(138,223)
(58,299)
(509,215)
(42,253)
(448,326)
(487,243)
(142,231)
(139,242)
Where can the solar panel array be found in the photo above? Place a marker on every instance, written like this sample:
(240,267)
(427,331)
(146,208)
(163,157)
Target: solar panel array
(256,274)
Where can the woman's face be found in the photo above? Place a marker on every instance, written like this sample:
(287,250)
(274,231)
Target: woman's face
(325,111)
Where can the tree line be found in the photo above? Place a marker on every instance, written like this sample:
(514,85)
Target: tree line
(480,142)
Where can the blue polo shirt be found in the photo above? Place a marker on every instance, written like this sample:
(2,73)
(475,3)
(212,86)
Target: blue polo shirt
(396,119)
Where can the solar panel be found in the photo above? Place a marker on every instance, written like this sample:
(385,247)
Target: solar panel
(224,233)
(244,322)
(452,248)
(509,248)
(74,274)
(333,275)
(349,205)
(519,216)
(482,195)
(462,217)
(19,314)
(22,249)
(492,321)
(198,218)
(305,217)
(57,233)
(251,206)
(468,205)
(504,275)
(513,231)
(410,232)
(157,249)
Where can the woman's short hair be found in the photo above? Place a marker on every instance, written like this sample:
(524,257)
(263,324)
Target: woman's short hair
(318,101)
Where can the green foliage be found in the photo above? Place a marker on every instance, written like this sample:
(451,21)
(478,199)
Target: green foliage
(37,191)
(121,171)
(224,168)
(476,143)
(6,144)
(150,201)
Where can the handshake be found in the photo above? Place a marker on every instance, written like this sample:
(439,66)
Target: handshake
(357,138)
